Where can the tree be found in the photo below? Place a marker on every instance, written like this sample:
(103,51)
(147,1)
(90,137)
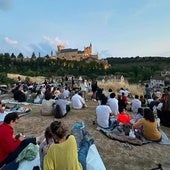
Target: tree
(33,56)
(20,56)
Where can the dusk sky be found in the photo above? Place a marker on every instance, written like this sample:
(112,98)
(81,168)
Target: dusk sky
(116,28)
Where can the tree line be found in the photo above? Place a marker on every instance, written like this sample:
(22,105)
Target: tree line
(136,69)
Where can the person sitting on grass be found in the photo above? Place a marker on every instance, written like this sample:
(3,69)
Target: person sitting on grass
(103,113)
(78,101)
(123,117)
(64,154)
(11,145)
(149,126)
(45,144)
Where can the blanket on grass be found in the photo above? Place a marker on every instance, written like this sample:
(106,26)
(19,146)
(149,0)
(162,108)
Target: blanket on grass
(12,101)
(22,111)
(120,136)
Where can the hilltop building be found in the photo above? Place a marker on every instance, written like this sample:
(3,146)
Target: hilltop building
(75,54)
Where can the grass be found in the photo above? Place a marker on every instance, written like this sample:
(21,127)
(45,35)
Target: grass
(115,155)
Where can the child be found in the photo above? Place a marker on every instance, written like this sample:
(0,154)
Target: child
(138,116)
(44,146)
(123,117)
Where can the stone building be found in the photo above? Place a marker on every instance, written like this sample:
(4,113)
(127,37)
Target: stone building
(75,54)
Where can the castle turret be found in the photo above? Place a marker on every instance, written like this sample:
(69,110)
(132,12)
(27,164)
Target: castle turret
(60,47)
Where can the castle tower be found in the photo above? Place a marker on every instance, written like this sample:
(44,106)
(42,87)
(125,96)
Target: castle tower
(88,50)
(60,47)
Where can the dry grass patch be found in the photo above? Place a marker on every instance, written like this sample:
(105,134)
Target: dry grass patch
(34,79)
(116,155)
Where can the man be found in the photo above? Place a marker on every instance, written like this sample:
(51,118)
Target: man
(77,101)
(63,104)
(11,145)
(103,113)
(113,103)
(136,104)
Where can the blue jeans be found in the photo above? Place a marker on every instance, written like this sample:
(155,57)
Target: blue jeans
(12,156)
(82,153)
(113,123)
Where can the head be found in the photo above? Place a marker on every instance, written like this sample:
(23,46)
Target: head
(112,95)
(110,90)
(140,111)
(48,135)
(136,96)
(121,109)
(58,130)
(11,118)
(103,99)
(48,95)
(148,115)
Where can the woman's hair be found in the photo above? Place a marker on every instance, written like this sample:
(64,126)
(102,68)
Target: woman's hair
(148,115)
(121,109)
(11,117)
(48,135)
(58,128)
(140,111)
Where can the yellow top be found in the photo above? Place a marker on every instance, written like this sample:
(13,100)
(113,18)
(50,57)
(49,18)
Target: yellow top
(150,129)
(63,156)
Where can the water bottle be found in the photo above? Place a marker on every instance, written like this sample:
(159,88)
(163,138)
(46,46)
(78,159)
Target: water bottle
(132,134)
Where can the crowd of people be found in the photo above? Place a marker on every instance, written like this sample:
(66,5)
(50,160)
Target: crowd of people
(113,109)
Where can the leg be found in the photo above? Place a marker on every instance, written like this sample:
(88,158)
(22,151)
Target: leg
(82,154)
(15,154)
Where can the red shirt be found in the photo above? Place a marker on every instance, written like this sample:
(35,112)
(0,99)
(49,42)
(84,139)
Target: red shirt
(123,118)
(8,143)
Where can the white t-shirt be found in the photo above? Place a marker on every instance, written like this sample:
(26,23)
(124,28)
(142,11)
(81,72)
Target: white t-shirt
(103,114)
(136,103)
(66,93)
(2,116)
(77,101)
(113,103)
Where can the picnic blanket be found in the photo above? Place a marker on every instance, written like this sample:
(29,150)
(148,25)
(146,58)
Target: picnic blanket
(116,135)
(12,101)
(22,111)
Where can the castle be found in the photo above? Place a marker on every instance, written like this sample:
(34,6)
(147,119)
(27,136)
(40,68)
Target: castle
(75,54)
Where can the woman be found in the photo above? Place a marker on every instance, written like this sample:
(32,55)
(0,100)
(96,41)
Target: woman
(63,155)
(149,126)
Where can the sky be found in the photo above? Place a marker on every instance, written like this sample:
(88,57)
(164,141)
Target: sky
(115,28)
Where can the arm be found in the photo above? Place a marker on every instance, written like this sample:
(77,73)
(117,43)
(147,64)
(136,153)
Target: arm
(48,161)
(138,123)
(10,144)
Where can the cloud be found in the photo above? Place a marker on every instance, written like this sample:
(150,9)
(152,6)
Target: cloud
(5,4)
(10,41)
(56,41)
